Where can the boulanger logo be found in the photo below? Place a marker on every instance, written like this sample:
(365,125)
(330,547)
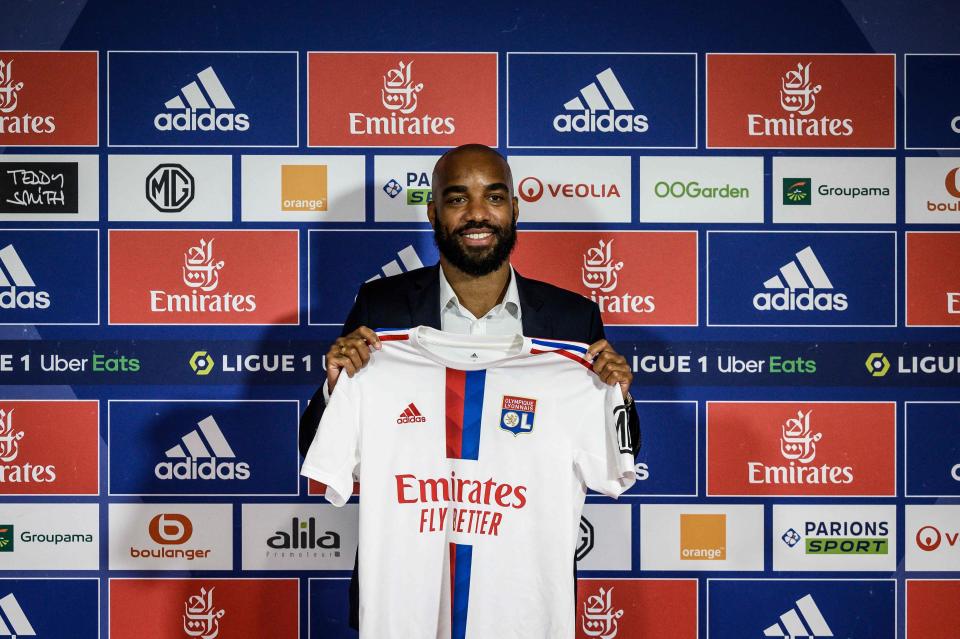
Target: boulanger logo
(17,288)
(10,90)
(201,618)
(802,620)
(203,453)
(400,96)
(202,106)
(803,285)
(601,107)
(796,191)
(170,528)
(703,536)
(303,187)
(600,275)
(170,532)
(170,188)
(17,624)
(798,99)
(951,184)
(600,617)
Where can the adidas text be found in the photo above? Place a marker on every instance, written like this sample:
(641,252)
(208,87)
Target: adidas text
(601,122)
(418,419)
(800,300)
(190,120)
(12,298)
(211,469)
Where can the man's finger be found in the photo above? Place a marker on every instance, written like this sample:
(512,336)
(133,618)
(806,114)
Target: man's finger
(369,336)
(596,348)
(358,346)
(349,367)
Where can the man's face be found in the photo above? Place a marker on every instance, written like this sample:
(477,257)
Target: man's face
(474,213)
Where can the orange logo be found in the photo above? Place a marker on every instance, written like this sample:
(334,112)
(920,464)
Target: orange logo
(703,536)
(303,187)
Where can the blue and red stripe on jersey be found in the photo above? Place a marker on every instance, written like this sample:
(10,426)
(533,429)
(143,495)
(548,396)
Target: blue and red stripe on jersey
(461,563)
(566,349)
(464,406)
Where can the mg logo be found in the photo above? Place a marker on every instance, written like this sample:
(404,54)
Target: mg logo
(170,188)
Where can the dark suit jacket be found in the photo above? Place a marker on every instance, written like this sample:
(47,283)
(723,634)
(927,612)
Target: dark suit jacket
(413,299)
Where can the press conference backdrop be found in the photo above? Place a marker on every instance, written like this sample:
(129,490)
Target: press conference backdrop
(762,199)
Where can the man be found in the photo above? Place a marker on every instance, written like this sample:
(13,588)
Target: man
(472,290)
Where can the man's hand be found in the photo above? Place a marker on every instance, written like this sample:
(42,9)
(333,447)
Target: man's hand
(609,365)
(351,353)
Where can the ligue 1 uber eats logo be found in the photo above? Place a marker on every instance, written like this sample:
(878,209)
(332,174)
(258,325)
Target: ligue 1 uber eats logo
(203,105)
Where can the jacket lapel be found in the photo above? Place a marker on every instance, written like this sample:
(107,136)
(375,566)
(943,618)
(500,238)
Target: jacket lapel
(423,299)
(536,323)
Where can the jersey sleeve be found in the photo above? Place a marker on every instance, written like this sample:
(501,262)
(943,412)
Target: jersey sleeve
(334,455)
(602,449)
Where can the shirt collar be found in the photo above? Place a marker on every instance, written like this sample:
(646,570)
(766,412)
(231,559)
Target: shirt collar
(510,303)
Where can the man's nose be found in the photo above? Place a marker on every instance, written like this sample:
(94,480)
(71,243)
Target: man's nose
(477,209)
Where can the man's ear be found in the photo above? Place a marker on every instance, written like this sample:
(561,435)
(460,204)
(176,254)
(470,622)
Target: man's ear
(516,209)
(432,213)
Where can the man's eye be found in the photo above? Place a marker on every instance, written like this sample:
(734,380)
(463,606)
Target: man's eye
(456,200)
(496,197)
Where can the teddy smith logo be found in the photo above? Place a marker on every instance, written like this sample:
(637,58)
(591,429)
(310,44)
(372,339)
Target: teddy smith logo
(476,502)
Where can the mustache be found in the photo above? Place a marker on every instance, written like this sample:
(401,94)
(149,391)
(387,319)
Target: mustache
(478,226)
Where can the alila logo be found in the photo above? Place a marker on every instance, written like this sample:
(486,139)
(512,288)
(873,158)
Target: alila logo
(201,274)
(10,99)
(303,535)
(595,113)
(798,445)
(10,472)
(600,274)
(16,623)
(796,191)
(203,453)
(411,415)
(17,288)
(797,292)
(400,96)
(531,189)
(798,98)
(202,109)
(804,620)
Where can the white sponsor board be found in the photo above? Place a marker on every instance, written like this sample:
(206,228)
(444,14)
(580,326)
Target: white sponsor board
(171,536)
(933,538)
(401,187)
(170,188)
(49,537)
(302,188)
(299,536)
(701,189)
(695,537)
(847,537)
(834,190)
(47,186)
(933,190)
(604,540)
(567,188)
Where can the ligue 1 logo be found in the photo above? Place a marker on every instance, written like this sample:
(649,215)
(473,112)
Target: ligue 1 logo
(517,414)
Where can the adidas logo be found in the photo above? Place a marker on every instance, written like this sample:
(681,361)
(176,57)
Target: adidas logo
(791,624)
(408,257)
(411,415)
(199,111)
(13,273)
(599,114)
(799,282)
(212,447)
(14,622)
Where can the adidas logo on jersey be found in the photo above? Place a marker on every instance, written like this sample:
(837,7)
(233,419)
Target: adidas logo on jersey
(599,114)
(17,624)
(791,626)
(411,415)
(14,274)
(803,285)
(198,113)
(202,459)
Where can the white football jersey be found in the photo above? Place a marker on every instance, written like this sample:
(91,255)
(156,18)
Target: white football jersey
(474,455)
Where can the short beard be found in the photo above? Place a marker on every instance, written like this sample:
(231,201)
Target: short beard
(477,266)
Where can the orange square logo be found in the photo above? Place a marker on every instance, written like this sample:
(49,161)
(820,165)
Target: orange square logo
(303,187)
(703,536)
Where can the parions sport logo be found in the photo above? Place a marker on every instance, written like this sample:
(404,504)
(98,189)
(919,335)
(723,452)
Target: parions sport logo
(800,448)
(203,277)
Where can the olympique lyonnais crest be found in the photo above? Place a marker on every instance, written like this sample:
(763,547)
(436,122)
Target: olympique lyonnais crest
(517,414)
